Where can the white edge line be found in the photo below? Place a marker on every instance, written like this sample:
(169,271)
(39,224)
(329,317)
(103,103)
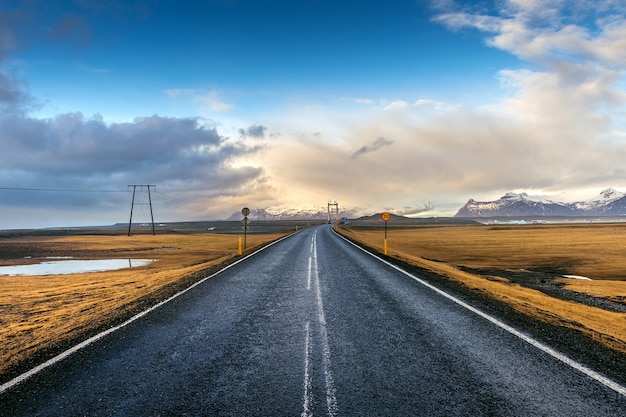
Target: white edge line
(23,377)
(534,342)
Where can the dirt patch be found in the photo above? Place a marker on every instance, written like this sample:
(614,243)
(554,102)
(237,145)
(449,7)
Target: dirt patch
(549,283)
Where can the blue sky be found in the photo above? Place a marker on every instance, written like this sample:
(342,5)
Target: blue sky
(254,53)
(397,105)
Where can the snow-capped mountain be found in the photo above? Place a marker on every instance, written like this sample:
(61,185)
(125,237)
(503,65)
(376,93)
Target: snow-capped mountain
(286,213)
(609,203)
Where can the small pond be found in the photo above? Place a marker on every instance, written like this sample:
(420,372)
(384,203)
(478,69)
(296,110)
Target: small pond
(72,266)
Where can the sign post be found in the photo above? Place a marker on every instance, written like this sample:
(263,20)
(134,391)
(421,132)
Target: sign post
(245,211)
(386,217)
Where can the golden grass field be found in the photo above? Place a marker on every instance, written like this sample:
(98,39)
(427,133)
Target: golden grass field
(43,313)
(597,251)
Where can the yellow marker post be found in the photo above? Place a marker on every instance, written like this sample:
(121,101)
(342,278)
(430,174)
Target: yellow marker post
(386,217)
(240,249)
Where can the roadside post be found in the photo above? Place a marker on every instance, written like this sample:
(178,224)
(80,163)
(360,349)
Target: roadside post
(245,211)
(386,217)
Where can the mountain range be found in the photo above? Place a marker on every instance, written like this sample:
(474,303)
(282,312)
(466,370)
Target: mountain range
(609,203)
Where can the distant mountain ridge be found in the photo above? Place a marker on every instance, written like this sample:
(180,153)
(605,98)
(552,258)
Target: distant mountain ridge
(282,213)
(610,202)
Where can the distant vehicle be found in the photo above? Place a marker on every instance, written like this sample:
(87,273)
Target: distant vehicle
(210,229)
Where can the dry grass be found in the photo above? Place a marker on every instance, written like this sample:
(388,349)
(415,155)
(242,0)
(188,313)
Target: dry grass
(41,313)
(595,251)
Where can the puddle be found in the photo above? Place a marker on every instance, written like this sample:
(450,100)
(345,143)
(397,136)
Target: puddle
(75,266)
(577,277)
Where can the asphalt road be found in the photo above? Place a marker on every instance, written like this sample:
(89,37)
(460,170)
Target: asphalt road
(311,326)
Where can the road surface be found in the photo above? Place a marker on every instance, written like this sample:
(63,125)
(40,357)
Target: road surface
(312,326)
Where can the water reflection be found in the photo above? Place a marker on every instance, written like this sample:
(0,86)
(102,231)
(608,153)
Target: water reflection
(74,266)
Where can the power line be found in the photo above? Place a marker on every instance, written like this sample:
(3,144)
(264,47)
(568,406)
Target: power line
(64,190)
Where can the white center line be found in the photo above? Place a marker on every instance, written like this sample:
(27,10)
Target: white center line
(331,398)
(306,412)
(308,281)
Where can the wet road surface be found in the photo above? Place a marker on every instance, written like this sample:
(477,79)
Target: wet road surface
(311,326)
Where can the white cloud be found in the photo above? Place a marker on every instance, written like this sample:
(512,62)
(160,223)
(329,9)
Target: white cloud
(208,100)
(211,101)
(366,101)
(543,32)
(397,104)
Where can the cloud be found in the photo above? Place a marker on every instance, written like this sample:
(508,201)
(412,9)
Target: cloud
(412,210)
(397,104)
(365,101)
(393,105)
(14,97)
(372,147)
(254,131)
(570,96)
(71,143)
(545,33)
(210,100)
(74,152)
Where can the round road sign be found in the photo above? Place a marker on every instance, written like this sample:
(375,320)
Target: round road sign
(245,211)
(386,216)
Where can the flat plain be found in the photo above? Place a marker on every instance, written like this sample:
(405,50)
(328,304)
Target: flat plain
(523,266)
(526,268)
(43,315)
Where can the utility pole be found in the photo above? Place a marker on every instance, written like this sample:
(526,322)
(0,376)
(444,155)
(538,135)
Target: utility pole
(335,211)
(132,204)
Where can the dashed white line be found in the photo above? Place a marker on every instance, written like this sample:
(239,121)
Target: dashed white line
(306,412)
(313,254)
(331,393)
(308,281)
